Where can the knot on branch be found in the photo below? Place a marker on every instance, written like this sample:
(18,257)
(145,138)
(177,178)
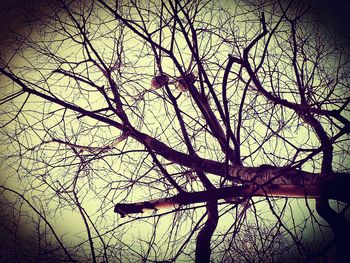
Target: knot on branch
(159,81)
(183,83)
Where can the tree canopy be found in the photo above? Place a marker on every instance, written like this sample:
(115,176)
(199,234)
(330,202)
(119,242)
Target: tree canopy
(163,131)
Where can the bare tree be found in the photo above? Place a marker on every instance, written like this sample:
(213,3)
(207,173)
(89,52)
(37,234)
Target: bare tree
(215,130)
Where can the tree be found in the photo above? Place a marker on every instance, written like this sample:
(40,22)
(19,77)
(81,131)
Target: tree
(228,122)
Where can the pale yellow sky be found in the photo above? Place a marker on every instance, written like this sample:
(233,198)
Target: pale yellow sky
(102,182)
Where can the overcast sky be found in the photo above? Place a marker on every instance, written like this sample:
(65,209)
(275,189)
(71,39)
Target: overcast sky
(13,12)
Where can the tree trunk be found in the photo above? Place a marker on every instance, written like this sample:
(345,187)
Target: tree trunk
(340,226)
(203,250)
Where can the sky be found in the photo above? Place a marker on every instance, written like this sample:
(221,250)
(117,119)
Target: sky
(334,12)
(14,13)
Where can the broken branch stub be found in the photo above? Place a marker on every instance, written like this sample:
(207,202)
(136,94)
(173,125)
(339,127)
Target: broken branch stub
(124,209)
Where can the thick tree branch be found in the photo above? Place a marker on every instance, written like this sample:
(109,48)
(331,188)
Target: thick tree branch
(243,191)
